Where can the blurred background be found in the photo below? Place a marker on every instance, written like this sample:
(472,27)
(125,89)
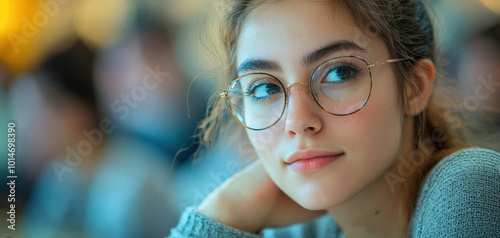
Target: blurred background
(106,95)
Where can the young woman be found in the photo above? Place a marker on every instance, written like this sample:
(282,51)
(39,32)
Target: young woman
(336,99)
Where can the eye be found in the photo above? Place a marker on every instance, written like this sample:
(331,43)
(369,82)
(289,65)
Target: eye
(337,74)
(262,90)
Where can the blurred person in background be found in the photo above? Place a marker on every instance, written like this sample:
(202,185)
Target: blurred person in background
(52,106)
(94,186)
(145,90)
(50,113)
(478,74)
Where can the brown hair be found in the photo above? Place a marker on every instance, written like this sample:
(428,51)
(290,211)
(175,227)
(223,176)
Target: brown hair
(406,27)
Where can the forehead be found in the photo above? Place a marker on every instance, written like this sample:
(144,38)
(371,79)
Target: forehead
(290,29)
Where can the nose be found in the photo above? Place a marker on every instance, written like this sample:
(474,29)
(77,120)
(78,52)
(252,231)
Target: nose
(303,116)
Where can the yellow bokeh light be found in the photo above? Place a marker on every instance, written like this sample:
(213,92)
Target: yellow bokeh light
(12,13)
(5,9)
(493,5)
(98,22)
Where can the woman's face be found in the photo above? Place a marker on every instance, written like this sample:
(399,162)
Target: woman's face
(342,155)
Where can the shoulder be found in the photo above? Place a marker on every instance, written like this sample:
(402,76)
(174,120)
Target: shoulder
(470,158)
(460,196)
(472,166)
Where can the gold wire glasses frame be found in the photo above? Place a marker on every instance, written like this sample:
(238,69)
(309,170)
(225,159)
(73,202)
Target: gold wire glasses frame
(286,90)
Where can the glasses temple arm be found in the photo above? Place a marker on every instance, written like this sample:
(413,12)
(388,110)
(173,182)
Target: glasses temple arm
(386,62)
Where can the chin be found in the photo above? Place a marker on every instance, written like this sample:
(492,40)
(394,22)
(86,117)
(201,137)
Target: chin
(317,200)
(312,205)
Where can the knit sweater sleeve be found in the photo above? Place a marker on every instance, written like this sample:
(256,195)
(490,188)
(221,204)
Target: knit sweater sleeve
(193,224)
(460,197)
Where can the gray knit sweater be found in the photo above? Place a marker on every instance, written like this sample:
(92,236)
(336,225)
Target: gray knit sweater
(459,198)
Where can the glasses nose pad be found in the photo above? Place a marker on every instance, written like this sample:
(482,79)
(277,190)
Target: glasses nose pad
(289,88)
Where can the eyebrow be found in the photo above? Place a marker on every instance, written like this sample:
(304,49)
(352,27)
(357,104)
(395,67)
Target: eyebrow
(317,55)
(258,65)
(342,45)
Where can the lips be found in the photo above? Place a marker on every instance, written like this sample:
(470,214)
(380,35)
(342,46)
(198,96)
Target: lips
(311,160)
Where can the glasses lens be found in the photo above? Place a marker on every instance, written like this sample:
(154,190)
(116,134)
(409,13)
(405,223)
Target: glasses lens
(257,100)
(342,86)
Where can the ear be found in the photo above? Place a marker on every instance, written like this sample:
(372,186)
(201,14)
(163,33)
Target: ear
(419,92)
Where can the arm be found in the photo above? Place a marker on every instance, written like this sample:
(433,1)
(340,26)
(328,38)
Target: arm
(461,197)
(242,206)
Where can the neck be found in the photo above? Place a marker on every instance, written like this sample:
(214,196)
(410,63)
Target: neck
(375,212)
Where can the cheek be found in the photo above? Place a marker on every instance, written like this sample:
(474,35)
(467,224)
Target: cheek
(268,145)
(264,142)
(379,126)
(375,132)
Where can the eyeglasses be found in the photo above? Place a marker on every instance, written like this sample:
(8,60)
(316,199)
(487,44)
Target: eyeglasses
(340,86)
